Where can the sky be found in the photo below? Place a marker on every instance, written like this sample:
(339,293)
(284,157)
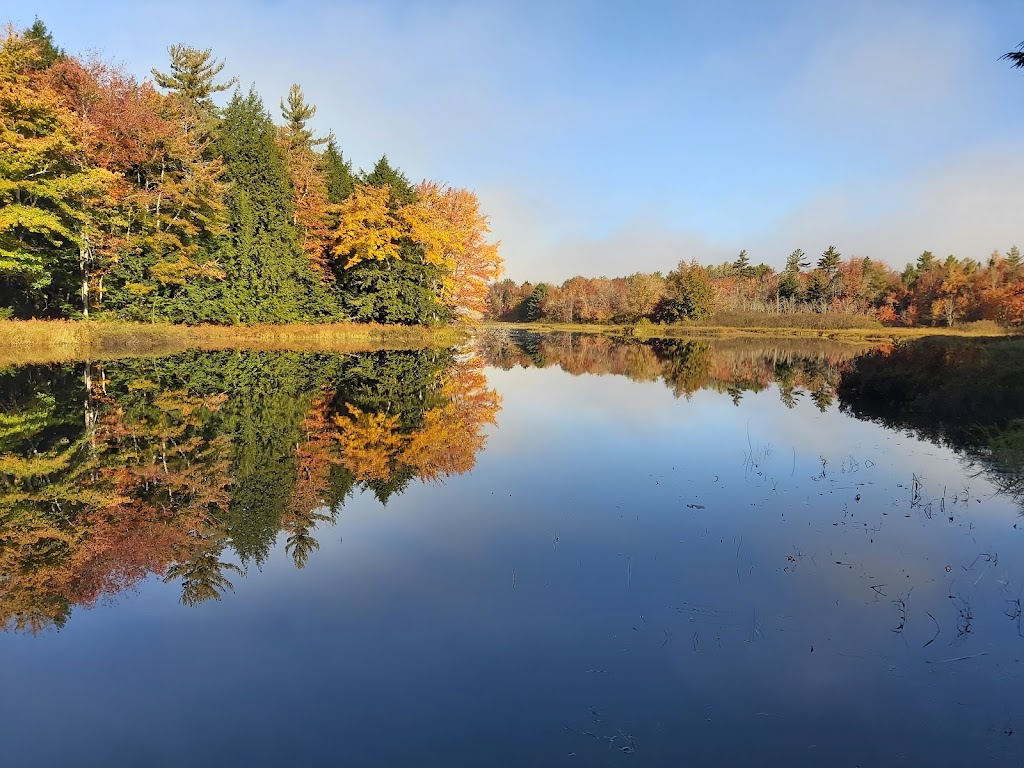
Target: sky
(606,138)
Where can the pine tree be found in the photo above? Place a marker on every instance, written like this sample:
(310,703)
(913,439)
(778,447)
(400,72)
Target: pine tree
(192,76)
(340,179)
(309,181)
(796,262)
(389,277)
(297,113)
(742,264)
(268,279)
(533,306)
(829,261)
(383,175)
(48,53)
(1013,259)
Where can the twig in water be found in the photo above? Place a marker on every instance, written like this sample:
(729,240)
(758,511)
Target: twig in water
(958,658)
(938,629)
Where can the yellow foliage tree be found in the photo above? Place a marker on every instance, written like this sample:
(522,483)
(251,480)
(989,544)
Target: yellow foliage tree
(369,228)
(448,224)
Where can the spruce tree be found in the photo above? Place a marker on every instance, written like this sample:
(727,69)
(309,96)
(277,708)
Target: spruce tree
(48,53)
(340,179)
(268,278)
(1013,259)
(383,175)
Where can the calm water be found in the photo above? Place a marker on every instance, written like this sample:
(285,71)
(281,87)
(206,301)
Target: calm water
(551,551)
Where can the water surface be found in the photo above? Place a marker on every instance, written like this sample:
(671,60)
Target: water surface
(548,551)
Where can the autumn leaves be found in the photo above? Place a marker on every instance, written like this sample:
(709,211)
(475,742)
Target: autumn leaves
(445,224)
(124,200)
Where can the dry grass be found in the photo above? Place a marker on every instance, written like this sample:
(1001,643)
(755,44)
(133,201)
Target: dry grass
(46,341)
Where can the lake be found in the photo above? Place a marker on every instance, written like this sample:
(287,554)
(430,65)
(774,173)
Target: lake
(556,550)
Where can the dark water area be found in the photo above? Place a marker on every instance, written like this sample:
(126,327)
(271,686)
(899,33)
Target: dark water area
(553,550)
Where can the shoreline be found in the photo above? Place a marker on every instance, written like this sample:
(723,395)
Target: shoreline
(696,330)
(58,341)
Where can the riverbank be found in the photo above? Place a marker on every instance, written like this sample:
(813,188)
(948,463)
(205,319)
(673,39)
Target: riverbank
(689,330)
(53,341)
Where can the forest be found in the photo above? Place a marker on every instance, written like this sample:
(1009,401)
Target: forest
(929,291)
(146,201)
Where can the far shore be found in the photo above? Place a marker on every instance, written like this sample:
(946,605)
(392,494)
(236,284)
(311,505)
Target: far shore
(879,333)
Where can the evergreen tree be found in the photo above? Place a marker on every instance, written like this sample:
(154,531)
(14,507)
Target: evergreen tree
(48,53)
(405,289)
(1017,57)
(297,113)
(311,212)
(383,175)
(796,262)
(829,261)
(340,179)
(268,279)
(742,264)
(818,288)
(192,76)
(790,287)
(1013,260)
(534,303)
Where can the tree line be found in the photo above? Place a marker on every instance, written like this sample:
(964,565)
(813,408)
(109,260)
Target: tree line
(147,201)
(930,291)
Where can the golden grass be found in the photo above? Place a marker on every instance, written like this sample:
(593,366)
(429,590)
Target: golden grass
(49,341)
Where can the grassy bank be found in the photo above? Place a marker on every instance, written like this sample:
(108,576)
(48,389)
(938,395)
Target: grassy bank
(44,341)
(790,326)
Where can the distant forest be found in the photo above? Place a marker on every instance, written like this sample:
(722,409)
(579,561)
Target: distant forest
(146,201)
(929,291)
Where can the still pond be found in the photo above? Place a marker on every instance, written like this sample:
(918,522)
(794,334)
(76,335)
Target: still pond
(554,550)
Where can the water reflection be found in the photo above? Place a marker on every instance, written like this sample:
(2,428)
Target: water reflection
(639,567)
(190,466)
(967,394)
(730,366)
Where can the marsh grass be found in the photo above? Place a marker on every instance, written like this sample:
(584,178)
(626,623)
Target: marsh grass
(50,341)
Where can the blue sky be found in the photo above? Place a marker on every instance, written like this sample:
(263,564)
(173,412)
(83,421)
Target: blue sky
(607,138)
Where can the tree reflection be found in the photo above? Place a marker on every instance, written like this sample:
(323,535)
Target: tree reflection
(191,467)
(731,366)
(967,394)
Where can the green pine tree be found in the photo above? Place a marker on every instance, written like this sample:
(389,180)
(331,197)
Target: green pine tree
(340,179)
(383,175)
(268,278)
(829,261)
